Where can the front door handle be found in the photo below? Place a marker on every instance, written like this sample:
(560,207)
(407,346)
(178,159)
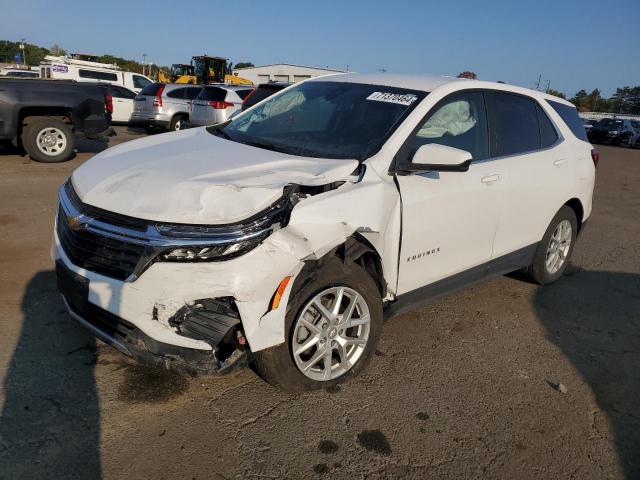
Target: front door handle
(559,162)
(491,178)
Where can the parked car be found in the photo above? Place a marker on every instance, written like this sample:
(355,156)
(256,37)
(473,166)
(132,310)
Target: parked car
(283,237)
(612,130)
(45,117)
(164,105)
(264,90)
(122,99)
(64,68)
(634,141)
(588,123)
(216,103)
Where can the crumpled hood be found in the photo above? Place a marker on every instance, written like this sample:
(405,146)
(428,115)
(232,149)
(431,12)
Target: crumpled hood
(195,177)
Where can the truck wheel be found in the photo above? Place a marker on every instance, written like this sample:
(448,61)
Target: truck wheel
(333,323)
(553,252)
(48,140)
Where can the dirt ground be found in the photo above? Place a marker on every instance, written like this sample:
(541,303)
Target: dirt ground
(465,388)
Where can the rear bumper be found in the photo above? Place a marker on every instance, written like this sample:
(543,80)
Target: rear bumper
(145,120)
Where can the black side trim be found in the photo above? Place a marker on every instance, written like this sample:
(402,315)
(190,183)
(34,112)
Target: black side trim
(494,268)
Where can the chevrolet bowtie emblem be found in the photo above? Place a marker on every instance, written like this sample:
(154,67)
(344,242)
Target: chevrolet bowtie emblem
(77,222)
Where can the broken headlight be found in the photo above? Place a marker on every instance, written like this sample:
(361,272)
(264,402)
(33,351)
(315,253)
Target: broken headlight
(193,243)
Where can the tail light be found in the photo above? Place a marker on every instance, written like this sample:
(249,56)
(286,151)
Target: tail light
(595,156)
(108,103)
(157,101)
(220,105)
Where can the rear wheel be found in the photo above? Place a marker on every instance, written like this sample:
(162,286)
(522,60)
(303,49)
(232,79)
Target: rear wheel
(177,123)
(333,324)
(555,249)
(48,140)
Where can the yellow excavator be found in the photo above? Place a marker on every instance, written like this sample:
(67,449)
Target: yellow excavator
(202,70)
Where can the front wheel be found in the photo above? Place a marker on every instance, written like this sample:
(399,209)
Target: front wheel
(555,248)
(333,324)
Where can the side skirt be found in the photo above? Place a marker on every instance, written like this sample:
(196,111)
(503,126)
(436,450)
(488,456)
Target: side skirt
(494,268)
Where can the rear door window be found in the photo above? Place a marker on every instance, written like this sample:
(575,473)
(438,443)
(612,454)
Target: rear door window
(192,93)
(514,124)
(570,116)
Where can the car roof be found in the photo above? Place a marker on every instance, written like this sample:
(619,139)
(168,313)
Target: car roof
(428,83)
(275,84)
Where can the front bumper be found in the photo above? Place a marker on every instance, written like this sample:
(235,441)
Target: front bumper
(132,341)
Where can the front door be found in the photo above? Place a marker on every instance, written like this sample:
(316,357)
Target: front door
(449,219)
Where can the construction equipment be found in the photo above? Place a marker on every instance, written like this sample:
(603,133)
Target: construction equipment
(215,70)
(203,70)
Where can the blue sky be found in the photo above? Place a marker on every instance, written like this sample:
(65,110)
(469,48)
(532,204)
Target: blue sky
(574,44)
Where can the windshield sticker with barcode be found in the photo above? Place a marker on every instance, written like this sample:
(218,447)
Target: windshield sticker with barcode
(399,98)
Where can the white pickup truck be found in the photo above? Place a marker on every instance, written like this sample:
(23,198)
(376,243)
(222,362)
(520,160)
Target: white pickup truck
(282,237)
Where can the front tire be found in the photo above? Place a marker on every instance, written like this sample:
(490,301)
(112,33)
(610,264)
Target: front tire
(333,324)
(48,140)
(555,248)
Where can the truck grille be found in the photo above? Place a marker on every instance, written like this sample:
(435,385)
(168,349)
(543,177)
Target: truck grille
(97,253)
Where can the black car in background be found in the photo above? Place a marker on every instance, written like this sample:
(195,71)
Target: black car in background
(263,91)
(613,130)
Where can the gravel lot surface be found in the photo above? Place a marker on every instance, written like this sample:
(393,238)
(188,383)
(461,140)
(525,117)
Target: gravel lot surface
(467,387)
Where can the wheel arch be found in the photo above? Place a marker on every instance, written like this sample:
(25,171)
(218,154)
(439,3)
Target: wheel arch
(355,249)
(576,205)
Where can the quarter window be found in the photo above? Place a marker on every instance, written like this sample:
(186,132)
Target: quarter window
(548,134)
(460,122)
(514,124)
(570,116)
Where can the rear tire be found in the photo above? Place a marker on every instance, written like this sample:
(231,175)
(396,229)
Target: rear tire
(555,249)
(349,350)
(177,123)
(48,140)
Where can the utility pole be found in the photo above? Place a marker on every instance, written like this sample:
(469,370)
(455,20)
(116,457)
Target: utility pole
(24,58)
(537,84)
(144,61)
(548,86)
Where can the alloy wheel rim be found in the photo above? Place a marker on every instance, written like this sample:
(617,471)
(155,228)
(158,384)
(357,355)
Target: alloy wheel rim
(558,248)
(51,141)
(178,125)
(331,333)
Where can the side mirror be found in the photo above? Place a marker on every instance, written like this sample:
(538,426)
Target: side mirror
(438,158)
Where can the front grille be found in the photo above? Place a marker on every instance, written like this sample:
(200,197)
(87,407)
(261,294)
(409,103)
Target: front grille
(97,253)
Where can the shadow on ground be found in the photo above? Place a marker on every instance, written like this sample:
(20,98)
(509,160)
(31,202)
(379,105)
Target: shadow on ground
(594,318)
(50,425)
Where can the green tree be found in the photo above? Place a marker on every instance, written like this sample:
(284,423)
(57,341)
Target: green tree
(32,53)
(244,65)
(57,50)
(556,93)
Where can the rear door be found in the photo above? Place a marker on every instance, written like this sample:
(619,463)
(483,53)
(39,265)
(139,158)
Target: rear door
(449,219)
(526,142)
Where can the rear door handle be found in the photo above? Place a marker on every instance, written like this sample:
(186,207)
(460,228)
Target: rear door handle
(559,162)
(491,178)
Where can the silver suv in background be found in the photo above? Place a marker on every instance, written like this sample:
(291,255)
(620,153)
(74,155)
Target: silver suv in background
(164,105)
(216,103)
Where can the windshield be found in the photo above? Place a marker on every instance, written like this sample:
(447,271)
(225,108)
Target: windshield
(325,119)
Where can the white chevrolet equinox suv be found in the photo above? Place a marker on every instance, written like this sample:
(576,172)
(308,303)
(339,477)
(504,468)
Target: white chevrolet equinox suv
(282,238)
